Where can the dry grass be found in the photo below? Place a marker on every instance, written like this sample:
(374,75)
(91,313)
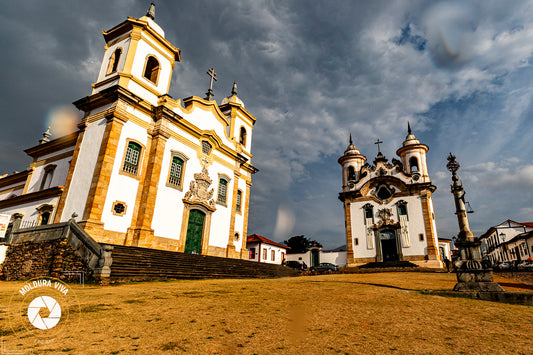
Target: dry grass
(330,314)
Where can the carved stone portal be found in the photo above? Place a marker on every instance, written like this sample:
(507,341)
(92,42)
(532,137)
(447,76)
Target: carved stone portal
(386,216)
(199,192)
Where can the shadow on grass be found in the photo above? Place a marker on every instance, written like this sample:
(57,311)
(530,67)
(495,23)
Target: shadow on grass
(367,283)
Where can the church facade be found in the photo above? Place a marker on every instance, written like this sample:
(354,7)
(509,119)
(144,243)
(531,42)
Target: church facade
(144,169)
(388,207)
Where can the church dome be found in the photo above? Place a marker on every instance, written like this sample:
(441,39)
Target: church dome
(410,139)
(351,150)
(150,17)
(153,25)
(233,98)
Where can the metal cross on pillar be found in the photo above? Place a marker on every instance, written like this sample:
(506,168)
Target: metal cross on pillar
(213,76)
(378,142)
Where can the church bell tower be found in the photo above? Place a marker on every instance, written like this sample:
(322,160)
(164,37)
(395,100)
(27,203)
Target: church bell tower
(138,57)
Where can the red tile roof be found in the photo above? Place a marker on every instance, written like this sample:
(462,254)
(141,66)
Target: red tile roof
(258,238)
(529,224)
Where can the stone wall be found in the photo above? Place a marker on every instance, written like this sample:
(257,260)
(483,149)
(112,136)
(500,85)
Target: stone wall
(53,258)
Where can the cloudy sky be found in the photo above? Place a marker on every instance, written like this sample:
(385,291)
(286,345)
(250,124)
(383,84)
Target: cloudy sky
(311,72)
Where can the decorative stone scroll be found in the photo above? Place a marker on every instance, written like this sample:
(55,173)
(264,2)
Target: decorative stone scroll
(404,232)
(199,192)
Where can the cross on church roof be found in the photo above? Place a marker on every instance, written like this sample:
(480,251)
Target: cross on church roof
(378,142)
(213,76)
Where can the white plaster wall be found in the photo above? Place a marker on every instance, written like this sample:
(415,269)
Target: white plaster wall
(334,257)
(168,212)
(220,220)
(124,45)
(29,209)
(415,226)
(139,114)
(3,250)
(123,187)
(250,246)
(142,52)
(301,257)
(84,170)
(4,195)
(277,250)
(59,176)
(239,122)
(205,120)
(142,92)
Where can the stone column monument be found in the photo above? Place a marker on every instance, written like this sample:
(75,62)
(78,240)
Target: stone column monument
(472,275)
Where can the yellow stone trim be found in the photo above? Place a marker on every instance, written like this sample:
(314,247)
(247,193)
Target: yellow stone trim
(153,44)
(349,247)
(432,250)
(116,203)
(118,40)
(102,172)
(193,102)
(28,180)
(52,159)
(135,36)
(13,189)
(63,197)
(245,207)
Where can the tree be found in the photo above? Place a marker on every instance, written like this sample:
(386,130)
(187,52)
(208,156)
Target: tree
(300,244)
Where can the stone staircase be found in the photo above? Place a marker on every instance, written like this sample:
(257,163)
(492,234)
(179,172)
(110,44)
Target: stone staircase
(144,264)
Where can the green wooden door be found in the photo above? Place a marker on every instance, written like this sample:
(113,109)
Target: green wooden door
(193,243)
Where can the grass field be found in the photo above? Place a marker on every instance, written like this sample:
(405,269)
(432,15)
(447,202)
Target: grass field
(328,314)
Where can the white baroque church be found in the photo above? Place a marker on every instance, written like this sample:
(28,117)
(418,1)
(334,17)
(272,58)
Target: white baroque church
(388,206)
(144,169)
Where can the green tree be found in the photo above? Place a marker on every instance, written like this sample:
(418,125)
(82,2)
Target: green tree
(300,244)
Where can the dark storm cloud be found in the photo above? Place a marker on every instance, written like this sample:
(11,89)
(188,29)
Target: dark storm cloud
(311,72)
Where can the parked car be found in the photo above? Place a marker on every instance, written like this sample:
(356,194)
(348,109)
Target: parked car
(526,265)
(296,265)
(324,267)
(504,265)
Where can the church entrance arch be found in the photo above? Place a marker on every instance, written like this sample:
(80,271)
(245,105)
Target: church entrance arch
(389,248)
(195,227)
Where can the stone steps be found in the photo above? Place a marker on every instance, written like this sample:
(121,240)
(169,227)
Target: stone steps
(139,264)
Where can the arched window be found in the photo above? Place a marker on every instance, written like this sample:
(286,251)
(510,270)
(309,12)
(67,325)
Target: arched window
(113,61)
(413,163)
(242,137)
(131,160)
(151,70)
(351,173)
(47,177)
(222,191)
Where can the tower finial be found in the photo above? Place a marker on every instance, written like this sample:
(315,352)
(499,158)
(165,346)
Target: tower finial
(46,136)
(408,127)
(151,12)
(234,88)
(351,141)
